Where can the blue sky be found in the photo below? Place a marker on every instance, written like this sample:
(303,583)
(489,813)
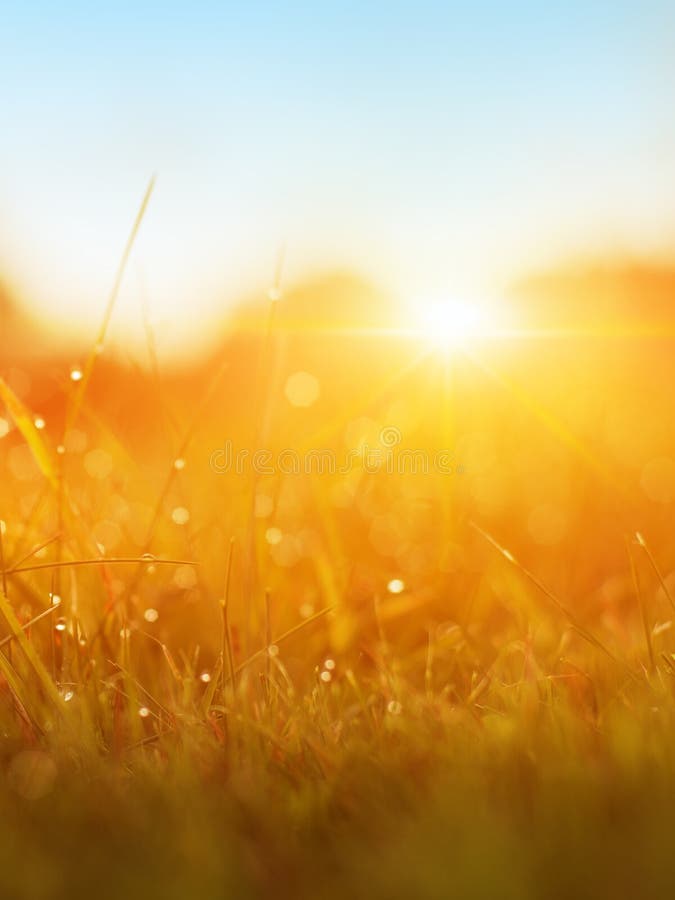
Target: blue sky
(431,146)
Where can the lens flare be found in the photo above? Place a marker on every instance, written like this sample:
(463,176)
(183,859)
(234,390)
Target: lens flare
(453,322)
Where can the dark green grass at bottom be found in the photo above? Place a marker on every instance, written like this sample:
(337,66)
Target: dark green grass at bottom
(418,830)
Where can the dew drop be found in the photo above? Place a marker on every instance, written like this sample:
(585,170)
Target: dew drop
(180,515)
(396,586)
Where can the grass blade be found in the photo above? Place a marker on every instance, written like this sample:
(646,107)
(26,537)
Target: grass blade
(24,421)
(30,652)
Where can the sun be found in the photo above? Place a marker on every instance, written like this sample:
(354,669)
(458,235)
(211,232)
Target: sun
(454,323)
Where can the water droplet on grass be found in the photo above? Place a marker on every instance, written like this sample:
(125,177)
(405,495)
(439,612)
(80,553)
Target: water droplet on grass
(180,515)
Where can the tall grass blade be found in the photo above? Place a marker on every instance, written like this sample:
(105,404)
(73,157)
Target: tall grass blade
(24,421)
(30,652)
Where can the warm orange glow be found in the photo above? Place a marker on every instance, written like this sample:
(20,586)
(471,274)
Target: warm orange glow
(337,450)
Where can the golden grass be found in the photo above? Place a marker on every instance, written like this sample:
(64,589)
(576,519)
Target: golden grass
(382,685)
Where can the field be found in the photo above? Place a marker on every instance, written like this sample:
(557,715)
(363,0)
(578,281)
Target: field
(419,646)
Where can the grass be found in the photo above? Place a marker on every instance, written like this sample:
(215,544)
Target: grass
(195,707)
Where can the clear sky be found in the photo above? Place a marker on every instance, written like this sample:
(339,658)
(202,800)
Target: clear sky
(430,145)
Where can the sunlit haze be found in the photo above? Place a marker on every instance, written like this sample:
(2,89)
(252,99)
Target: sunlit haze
(433,147)
(337,450)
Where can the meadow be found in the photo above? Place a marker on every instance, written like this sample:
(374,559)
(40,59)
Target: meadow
(377,677)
